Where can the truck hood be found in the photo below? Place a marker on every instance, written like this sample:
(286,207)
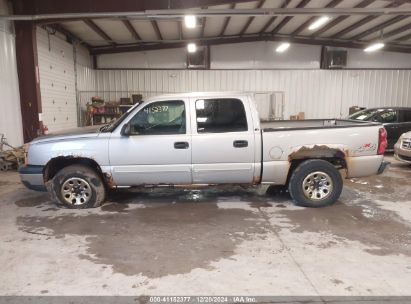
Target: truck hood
(75,133)
(406,135)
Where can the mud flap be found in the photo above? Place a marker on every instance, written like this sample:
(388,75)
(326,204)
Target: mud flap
(384,165)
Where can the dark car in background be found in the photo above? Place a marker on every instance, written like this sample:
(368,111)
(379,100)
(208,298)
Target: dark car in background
(396,120)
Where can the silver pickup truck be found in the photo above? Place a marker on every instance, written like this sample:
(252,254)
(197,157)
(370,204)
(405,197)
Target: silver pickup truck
(204,139)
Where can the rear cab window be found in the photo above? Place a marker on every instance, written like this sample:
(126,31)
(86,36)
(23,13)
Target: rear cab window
(220,115)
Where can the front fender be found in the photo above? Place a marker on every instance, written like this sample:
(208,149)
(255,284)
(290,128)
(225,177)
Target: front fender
(95,148)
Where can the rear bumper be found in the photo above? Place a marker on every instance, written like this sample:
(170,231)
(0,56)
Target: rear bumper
(363,166)
(32,177)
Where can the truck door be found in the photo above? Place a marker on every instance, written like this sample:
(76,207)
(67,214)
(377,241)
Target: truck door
(222,140)
(158,150)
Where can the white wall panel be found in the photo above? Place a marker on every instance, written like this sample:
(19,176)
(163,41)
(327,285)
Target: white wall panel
(86,78)
(358,59)
(253,55)
(318,93)
(262,55)
(57,82)
(10,114)
(86,75)
(158,59)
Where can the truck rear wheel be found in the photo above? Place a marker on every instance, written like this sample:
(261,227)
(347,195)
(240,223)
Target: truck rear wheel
(77,187)
(315,183)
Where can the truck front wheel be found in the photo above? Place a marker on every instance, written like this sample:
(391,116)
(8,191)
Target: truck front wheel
(78,187)
(315,183)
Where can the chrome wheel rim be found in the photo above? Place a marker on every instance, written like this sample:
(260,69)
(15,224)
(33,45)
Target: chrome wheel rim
(317,186)
(76,191)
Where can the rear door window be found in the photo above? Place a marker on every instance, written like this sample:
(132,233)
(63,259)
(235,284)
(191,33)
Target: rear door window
(405,115)
(220,115)
(386,117)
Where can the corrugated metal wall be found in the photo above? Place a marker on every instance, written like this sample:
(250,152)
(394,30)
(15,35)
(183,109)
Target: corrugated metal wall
(318,93)
(86,76)
(10,114)
(57,82)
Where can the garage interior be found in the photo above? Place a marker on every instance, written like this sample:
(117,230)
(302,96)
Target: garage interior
(68,64)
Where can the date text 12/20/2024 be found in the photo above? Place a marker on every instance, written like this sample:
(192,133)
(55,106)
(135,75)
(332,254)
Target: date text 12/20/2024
(202,299)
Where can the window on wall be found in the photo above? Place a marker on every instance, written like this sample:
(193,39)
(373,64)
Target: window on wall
(163,117)
(220,115)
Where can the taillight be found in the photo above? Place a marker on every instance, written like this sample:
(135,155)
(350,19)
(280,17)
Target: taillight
(382,141)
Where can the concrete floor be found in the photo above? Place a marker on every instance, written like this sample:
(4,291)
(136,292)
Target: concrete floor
(214,241)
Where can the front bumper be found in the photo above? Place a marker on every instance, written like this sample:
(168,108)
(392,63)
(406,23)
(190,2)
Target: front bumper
(403,158)
(402,151)
(32,177)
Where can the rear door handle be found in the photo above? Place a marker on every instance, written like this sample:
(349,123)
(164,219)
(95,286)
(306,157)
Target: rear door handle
(240,143)
(181,145)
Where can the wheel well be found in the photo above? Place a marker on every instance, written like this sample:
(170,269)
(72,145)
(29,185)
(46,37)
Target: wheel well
(336,161)
(58,163)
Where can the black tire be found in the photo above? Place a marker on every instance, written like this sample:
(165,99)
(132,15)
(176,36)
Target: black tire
(317,173)
(90,186)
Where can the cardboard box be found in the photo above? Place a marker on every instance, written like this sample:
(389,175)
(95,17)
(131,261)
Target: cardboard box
(299,116)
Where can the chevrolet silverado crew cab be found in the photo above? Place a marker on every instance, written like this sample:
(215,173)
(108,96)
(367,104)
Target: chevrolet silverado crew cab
(204,139)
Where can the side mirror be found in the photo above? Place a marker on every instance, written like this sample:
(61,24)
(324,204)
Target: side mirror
(126,130)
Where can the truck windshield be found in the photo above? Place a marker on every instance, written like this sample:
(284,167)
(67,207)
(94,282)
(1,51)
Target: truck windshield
(364,114)
(114,124)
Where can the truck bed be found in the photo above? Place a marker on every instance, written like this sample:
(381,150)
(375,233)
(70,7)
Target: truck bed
(354,141)
(280,125)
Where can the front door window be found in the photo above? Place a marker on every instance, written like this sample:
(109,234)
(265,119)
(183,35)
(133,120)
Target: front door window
(162,117)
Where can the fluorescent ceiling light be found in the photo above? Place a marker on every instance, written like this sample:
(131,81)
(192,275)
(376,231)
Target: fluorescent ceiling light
(318,23)
(374,47)
(191,47)
(282,47)
(190,21)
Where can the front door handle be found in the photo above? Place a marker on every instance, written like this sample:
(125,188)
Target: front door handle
(181,145)
(240,143)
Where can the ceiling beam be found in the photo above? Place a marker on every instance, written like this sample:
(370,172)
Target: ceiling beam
(40,7)
(237,39)
(203,25)
(378,27)
(156,29)
(69,35)
(226,21)
(272,19)
(131,29)
(340,19)
(303,26)
(286,19)
(250,19)
(403,38)
(178,13)
(397,31)
(180,30)
(363,21)
(99,31)
(354,26)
